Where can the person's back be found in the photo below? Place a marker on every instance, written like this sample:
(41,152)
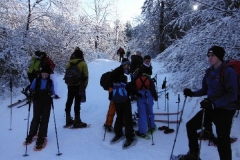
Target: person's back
(136,62)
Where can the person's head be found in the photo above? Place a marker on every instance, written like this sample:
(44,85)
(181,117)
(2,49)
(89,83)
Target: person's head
(38,53)
(138,53)
(125,64)
(43,55)
(78,54)
(45,71)
(77,48)
(147,60)
(215,55)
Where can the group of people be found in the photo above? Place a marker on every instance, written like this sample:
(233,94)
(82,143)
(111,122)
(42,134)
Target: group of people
(219,107)
(142,89)
(42,91)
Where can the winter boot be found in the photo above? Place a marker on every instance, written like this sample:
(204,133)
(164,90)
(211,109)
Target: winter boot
(39,143)
(117,137)
(206,135)
(152,130)
(140,134)
(78,123)
(69,120)
(189,156)
(128,142)
(29,139)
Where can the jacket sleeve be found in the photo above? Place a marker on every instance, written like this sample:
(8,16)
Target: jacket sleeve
(153,90)
(85,73)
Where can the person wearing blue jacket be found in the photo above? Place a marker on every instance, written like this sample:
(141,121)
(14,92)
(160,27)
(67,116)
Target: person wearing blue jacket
(42,90)
(219,106)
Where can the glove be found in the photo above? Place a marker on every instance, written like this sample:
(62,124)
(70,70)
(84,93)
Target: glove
(207,104)
(188,92)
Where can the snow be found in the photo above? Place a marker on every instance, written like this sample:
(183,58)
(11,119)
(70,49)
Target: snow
(88,143)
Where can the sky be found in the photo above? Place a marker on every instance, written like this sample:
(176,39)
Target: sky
(88,143)
(129,9)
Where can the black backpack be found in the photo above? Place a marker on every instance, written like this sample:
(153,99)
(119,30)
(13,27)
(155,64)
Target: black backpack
(73,74)
(106,80)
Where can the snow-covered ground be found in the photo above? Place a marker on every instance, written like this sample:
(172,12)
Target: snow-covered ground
(88,144)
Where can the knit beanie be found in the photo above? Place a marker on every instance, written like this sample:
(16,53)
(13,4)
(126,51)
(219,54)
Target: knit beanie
(78,53)
(217,51)
(125,61)
(45,70)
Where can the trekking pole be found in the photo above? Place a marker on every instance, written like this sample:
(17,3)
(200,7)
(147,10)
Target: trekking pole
(58,154)
(178,102)
(149,117)
(164,87)
(178,126)
(155,80)
(29,108)
(168,130)
(11,103)
(201,135)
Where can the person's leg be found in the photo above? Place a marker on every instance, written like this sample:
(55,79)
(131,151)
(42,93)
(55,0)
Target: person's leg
(192,126)
(43,128)
(127,114)
(142,119)
(70,97)
(223,122)
(110,114)
(119,119)
(37,111)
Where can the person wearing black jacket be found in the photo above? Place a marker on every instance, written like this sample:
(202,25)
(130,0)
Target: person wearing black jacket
(123,109)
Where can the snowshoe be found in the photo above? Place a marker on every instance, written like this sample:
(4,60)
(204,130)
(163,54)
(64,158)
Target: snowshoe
(80,125)
(29,139)
(128,143)
(39,143)
(188,156)
(141,135)
(69,123)
(117,138)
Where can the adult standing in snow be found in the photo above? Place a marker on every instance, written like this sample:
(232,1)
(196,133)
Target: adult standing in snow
(219,106)
(74,91)
(121,53)
(42,89)
(123,110)
(47,62)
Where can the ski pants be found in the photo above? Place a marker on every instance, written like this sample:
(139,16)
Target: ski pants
(145,111)
(222,119)
(124,114)
(110,114)
(73,94)
(41,114)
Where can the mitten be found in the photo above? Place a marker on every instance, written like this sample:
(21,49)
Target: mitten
(188,92)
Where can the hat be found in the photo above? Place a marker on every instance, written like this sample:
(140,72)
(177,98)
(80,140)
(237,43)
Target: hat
(125,61)
(78,53)
(38,53)
(45,70)
(147,57)
(217,51)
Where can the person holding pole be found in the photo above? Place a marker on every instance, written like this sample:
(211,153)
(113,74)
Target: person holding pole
(219,106)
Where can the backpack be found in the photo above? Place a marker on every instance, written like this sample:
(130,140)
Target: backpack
(235,64)
(106,80)
(72,75)
(119,93)
(143,82)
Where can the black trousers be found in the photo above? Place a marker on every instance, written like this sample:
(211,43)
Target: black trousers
(121,57)
(73,94)
(41,113)
(124,115)
(223,122)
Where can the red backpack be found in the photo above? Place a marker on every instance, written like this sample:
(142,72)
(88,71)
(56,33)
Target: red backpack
(143,82)
(235,64)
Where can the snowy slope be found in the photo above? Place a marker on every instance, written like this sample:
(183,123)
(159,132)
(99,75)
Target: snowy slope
(88,144)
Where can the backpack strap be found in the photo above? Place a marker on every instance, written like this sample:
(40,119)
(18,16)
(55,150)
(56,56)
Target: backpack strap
(143,82)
